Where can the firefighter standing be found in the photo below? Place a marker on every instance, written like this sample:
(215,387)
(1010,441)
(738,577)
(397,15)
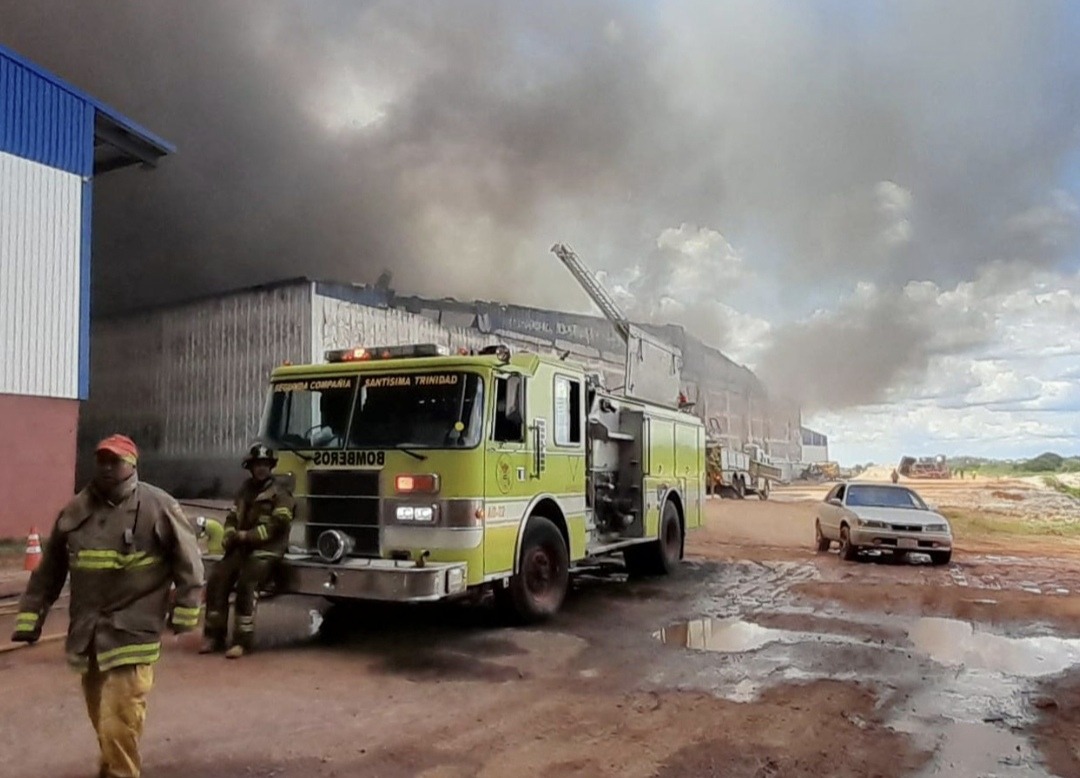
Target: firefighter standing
(256,538)
(124,543)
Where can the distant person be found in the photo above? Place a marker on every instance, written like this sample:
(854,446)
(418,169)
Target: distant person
(256,538)
(894,476)
(125,544)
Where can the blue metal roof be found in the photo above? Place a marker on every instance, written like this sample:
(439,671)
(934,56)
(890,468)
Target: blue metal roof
(45,119)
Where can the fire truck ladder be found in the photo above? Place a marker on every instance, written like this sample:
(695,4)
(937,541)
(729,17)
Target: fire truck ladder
(604,301)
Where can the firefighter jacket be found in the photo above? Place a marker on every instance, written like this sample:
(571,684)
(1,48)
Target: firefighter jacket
(260,519)
(123,557)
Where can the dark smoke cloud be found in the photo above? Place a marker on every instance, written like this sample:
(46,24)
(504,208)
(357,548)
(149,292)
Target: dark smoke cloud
(453,143)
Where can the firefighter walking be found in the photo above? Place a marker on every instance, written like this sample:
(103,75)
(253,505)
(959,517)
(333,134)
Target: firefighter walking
(125,544)
(256,538)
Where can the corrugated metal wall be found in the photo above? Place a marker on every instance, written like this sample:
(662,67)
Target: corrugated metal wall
(46,158)
(188,382)
(42,122)
(40,279)
(342,324)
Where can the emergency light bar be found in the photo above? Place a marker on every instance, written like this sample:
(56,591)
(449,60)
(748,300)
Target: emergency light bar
(387,352)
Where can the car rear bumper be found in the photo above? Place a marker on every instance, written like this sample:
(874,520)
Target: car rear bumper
(892,540)
(368,579)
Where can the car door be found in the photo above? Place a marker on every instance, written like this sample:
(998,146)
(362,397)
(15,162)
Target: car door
(827,515)
(834,511)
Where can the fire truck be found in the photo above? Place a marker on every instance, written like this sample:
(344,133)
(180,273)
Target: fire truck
(422,474)
(734,473)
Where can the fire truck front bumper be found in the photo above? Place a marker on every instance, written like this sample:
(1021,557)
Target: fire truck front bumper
(374,579)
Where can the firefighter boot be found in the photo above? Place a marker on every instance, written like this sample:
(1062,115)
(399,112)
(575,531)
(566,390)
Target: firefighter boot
(212,645)
(244,634)
(235,652)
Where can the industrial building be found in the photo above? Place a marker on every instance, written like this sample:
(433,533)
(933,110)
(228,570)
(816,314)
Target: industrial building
(188,381)
(54,141)
(815,447)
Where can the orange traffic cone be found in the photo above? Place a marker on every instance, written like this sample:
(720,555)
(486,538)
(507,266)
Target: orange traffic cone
(33,550)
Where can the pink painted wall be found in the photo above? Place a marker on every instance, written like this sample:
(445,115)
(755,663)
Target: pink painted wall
(37,462)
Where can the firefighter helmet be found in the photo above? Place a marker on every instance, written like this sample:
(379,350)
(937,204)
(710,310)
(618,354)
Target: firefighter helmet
(260,453)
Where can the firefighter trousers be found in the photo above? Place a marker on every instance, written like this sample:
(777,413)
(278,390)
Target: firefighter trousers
(116,702)
(247,573)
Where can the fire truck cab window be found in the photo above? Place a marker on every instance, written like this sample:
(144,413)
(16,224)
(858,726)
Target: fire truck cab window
(509,424)
(309,414)
(567,411)
(418,410)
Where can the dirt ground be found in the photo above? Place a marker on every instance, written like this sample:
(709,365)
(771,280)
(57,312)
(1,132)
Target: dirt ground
(759,658)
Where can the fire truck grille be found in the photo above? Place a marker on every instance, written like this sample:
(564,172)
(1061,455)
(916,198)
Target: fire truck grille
(345,500)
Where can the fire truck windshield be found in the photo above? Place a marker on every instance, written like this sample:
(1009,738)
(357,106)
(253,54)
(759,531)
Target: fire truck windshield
(403,410)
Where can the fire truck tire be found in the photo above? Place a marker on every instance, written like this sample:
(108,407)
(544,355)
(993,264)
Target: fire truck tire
(538,589)
(763,491)
(740,488)
(661,557)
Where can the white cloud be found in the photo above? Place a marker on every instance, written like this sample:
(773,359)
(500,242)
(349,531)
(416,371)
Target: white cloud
(1013,392)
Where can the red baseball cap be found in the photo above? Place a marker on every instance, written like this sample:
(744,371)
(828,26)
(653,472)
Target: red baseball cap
(121,446)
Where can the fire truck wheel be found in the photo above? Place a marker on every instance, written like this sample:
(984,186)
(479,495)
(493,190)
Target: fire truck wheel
(740,488)
(538,589)
(763,492)
(661,557)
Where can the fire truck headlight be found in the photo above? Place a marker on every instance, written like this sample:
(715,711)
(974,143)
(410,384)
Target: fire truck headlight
(455,580)
(405,513)
(426,513)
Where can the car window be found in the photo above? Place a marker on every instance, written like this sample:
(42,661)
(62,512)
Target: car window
(872,496)
(832,493)
(840,492)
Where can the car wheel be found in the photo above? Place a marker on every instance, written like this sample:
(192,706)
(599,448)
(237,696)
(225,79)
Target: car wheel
(940,557)
(823,542)
(848,552)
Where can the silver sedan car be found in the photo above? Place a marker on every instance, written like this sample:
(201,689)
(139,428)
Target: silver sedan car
(883,517)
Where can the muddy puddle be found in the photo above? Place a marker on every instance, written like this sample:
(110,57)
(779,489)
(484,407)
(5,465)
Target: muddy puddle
(956,687)
(734,635)
(946,641)
(959,643)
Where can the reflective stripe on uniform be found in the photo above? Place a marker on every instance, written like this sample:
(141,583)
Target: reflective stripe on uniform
(135,654)
(184,616)
(26,621)
(262,532)
(265,554)
(245,623)
(282,513)
(110,559)
(78,663)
